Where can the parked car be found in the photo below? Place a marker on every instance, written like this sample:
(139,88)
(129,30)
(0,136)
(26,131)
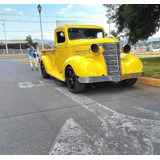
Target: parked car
(157,49)
(83,55)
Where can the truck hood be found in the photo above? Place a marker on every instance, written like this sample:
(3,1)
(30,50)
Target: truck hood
(92,41)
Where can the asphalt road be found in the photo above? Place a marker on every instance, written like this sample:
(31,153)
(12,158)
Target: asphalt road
(40,116)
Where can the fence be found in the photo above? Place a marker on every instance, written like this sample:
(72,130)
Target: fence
(13,51)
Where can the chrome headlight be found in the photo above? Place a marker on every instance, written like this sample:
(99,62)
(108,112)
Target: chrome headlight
(94,48)
(127,48)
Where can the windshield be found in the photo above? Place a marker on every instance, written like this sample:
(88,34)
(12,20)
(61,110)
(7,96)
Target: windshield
(85,33)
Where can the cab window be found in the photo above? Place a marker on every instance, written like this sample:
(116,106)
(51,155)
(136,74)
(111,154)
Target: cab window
(85,33)
(60,37)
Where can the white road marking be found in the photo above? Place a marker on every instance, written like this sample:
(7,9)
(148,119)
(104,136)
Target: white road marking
(72,133)
(40,84)
(150,112)
(120,134)
(30,84)
(25,85)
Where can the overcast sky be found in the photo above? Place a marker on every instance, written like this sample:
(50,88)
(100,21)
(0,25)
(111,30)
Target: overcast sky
(22,20)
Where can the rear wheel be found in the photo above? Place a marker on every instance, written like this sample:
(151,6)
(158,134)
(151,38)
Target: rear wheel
(43,71)
(72,81)
(128,82)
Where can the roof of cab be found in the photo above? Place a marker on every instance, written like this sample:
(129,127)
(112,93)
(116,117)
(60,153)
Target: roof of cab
(77,26)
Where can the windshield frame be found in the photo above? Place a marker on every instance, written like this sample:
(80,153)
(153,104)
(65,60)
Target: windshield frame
(103,34)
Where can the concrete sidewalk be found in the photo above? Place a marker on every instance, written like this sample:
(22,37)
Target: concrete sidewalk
(147,56)
(10,56)
(14,56)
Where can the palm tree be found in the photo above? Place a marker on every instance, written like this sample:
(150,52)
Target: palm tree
(116,34)
(29,40)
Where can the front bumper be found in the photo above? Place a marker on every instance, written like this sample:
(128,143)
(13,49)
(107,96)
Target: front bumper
(110,78)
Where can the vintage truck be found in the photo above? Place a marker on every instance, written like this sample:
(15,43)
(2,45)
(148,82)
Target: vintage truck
(83,55)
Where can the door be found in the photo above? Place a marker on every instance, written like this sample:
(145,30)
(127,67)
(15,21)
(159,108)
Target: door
(60,49)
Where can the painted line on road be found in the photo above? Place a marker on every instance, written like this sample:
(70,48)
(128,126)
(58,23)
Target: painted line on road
(120,134)
(147,111)
(25,85)
(30,84)
(70,131)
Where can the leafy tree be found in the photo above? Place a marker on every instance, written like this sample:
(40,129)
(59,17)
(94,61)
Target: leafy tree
(137,21)
(29,40)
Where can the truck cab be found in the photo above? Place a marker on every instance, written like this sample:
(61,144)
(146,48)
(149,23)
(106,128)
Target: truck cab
(83,54)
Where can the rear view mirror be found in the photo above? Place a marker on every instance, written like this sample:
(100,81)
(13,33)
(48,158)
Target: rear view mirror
(62,34)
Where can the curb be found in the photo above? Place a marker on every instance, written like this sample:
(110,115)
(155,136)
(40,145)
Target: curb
(13,55)
(149,81)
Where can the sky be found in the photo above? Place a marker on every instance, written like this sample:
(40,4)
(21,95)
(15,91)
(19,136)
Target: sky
(22,20)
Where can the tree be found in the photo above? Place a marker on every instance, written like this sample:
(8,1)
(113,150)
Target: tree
(29,40)
(137,21)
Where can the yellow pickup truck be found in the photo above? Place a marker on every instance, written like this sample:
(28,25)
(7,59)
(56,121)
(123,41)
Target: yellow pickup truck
(83,55)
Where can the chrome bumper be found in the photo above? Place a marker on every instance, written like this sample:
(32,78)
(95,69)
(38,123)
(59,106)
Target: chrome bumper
(109,78)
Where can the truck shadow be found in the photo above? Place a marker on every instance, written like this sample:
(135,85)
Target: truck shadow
(98,88)
(106,87)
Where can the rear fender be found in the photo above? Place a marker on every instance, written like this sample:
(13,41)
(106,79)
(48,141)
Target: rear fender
(47,63)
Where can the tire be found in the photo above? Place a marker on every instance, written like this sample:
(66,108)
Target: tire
(72,81)
(43,71)
(128,82)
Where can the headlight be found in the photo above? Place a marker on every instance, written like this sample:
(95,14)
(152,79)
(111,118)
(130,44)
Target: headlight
(127,48)
(94,48)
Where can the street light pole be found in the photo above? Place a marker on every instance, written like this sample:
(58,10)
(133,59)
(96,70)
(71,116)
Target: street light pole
(3,24)
(39,8)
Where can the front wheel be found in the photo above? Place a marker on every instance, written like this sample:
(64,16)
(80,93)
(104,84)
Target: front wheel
(72,81)
(128,82)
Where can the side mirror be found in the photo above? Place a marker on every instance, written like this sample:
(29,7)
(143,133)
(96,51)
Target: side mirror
(106,34)
(62,34)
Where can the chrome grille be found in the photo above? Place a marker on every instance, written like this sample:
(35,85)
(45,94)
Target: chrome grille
(111,55)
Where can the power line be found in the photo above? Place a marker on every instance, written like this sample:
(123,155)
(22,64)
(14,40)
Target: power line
(9,14)
(8,20)
(29,31)
(24,21)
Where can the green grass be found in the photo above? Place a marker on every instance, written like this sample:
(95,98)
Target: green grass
(151,66)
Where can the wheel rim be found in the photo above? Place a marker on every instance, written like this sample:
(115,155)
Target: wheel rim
(71,79)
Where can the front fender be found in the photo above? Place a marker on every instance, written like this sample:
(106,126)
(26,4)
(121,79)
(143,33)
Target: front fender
(85,66)
(130,64)
(47,63)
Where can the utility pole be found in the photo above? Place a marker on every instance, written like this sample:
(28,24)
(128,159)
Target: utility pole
(3,24)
